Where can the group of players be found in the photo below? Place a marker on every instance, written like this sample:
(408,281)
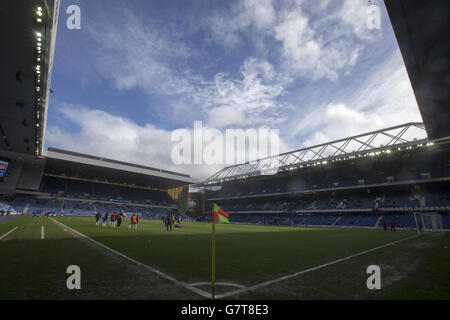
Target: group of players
(41,213)
(391,225)
(170,221)
(116,220)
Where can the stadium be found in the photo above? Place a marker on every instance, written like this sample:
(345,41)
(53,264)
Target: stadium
(304,224)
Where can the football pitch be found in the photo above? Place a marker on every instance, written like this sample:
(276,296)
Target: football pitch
(252,261)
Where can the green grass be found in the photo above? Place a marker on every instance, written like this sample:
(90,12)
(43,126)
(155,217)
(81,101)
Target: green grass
(245,255)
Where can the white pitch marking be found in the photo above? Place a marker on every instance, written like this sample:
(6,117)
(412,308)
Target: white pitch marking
(161,274)
(3,236)
(228,284)
(266,283)
(42,233)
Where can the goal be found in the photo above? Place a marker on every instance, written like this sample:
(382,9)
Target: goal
(429,222)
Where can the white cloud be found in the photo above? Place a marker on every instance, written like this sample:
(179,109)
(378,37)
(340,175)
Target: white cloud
(103,134)
(223,116)
(354,14)
(325,46)
(227,27)
(251,100)
(385,99)
(155,60)
(143,55)
(314,49)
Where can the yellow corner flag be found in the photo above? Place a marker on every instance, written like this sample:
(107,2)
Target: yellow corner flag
(218,215)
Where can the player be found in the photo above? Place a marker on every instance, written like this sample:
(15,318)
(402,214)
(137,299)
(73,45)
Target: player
(168,223)
(392,224)
(178,225)
(119,219)
(105,220)
(133,222)
(113,219)
(384,225)
(98,217)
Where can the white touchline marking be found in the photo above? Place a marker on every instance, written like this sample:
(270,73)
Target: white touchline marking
(42,233)
(266,283)
(161,274)
(3,236)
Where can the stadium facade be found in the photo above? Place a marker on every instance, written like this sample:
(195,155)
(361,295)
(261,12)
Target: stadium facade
(386,175)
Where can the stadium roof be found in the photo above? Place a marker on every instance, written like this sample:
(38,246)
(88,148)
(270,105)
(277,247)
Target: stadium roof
(27,59)
(367,144)
(70,164)
(421,29)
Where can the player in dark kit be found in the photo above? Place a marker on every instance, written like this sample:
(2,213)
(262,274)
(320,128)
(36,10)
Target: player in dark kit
(168,223)
(105,220)
(119,219)
(98,217)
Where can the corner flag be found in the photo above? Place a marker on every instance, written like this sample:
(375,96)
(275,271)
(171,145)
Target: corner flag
(219,215)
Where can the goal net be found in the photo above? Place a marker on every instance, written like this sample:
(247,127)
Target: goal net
(429,222)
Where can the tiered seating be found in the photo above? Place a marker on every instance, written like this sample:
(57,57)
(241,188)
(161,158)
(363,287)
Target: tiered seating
(319,220)
(54,186)
(78,188)
(401,220)
(446,221)
(78,208)
(399,200)
(386,201)
(44,205)
(358,220)
(103,191)
(5,207)
(438,199)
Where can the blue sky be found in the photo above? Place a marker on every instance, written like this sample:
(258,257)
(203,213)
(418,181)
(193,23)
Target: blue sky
(137,70)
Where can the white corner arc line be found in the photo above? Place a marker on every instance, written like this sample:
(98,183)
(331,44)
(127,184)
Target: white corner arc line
(159,273)
(3,236)
(225,284)
(266,283)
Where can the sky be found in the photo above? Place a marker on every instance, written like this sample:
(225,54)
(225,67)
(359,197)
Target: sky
(138,70)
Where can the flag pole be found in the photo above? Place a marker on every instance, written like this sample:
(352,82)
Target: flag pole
(213,257)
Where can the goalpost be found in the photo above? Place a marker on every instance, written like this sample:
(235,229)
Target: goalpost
(428,222)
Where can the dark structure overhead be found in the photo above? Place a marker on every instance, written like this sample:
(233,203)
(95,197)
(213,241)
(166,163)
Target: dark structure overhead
(421,29)
(28,43)
(68,164)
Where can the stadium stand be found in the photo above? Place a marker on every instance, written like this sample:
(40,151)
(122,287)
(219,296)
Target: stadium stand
(77,184)
(390,182)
